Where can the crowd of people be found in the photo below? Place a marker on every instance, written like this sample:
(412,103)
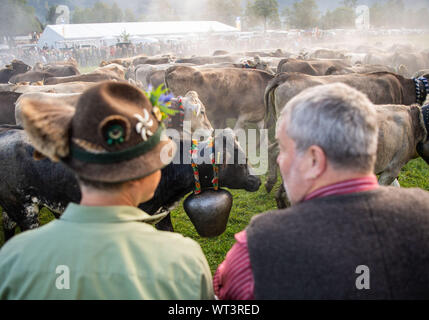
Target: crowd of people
(91,53)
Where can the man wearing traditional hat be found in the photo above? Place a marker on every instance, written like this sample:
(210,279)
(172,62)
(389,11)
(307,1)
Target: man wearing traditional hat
(104,247)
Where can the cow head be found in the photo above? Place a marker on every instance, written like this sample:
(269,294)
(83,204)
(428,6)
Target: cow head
(125,63)
(403,70)
(19,67)
(130,73)
(194,112)
(234,172)
(262,65)
(38,66)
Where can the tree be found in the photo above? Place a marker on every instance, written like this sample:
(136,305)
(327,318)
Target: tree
(395,10)
(124,36)
(349,3)
(265,10)
(160,10)
(51,16)
(341,17)
(101,12)
(393,14)
(377,15)
(225,11)
(303,14)
(129,16)
(17,18)
(116,13)
(421,17)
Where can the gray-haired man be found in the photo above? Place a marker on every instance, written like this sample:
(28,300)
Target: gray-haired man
(344,237)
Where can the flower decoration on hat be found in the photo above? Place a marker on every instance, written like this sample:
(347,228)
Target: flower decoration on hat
(161,101)
(115,130)
(144,124)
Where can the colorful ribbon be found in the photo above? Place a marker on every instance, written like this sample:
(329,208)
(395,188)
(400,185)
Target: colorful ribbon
(194,155)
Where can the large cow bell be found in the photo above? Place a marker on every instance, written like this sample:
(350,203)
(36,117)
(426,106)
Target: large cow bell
(209,211)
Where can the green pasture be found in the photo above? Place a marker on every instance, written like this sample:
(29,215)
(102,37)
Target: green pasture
(246,205)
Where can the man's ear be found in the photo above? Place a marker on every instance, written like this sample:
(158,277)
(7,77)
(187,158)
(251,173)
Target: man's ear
(314,163)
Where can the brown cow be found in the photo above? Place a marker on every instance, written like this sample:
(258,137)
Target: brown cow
(359,68)
(147,74)
(86,77)
(385,59)
(279,53)
(153,60)
(126,62)
(113,69)
(380,87)
(7,107)
(327,54)
(226,93)
(256,63)
(402,137)
(194,113)
(312,67)
(61,70)
(413,62)
(14,68)
(220,53)
(210,59)
(31,76)
(69,87)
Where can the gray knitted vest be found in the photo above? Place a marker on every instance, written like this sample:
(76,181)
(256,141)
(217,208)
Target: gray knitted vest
(312,250)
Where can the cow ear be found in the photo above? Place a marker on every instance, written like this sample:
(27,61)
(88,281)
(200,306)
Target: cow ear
(47,126)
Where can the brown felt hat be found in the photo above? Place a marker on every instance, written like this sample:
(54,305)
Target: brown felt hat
(113,135)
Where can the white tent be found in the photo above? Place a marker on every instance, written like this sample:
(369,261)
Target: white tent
(57,35)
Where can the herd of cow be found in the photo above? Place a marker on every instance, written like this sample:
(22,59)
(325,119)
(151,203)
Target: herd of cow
(248,87)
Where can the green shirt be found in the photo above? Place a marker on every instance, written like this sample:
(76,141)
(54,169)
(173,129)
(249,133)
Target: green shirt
(103,253)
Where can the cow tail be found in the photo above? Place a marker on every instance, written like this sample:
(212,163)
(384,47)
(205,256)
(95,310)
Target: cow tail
(270,109)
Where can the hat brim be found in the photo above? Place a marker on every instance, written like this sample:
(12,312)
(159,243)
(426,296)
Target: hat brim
(157,158)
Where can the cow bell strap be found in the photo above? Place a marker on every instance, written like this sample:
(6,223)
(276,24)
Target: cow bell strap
(181,114)
(194,155)
(422,89)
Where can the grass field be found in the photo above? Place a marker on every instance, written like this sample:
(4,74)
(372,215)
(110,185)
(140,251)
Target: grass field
(246,205)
